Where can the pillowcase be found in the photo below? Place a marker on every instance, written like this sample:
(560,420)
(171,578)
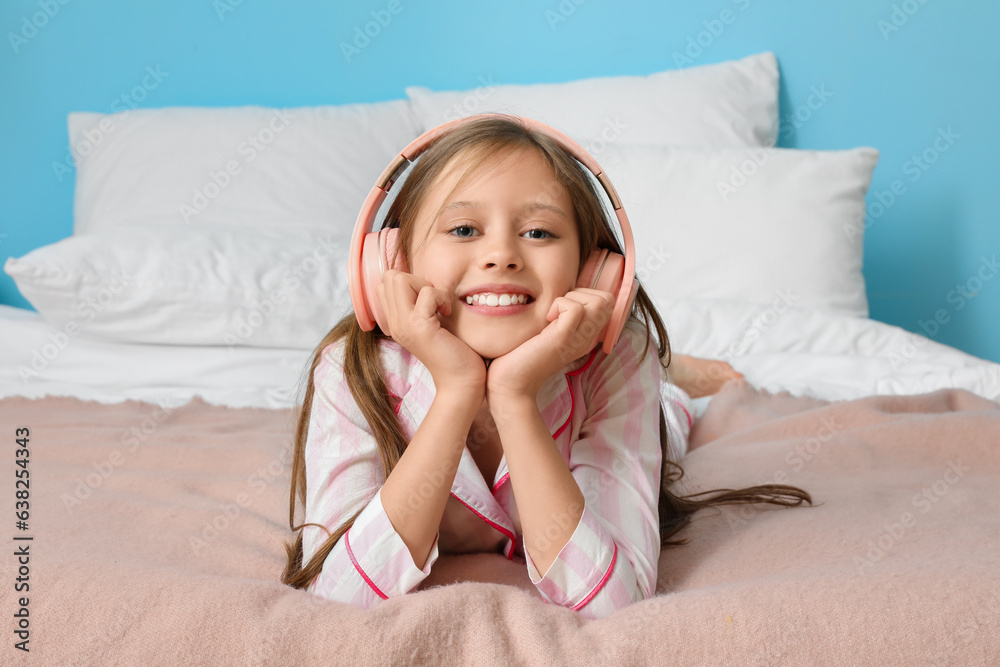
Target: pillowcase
(747,224)
(727,104)
(297,169)
(190,285)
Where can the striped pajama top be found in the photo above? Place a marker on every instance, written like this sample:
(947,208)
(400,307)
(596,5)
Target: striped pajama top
(603,413)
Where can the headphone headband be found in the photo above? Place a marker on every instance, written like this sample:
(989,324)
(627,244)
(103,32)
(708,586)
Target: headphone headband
(398,165)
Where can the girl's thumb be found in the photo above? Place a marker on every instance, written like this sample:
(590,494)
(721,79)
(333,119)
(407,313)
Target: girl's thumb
(554,311)
(444,301)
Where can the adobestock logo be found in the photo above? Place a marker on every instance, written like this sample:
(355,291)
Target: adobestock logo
(798,117)
(470,103)
(86,309)
(697,44)
(372,29)
(223,7)
(759,323)
(924,501)
(756,157)
(278,469)
(248,149)
(38,20)
(131,439)
(562,12)
(740,174)
(962,293)
(899,17)
(915,167)
(263,308)
(655,259)
(122,105)
(738,516)
(612,130)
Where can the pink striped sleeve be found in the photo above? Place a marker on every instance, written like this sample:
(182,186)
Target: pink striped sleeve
(610,561)
(678,413)
(344,473)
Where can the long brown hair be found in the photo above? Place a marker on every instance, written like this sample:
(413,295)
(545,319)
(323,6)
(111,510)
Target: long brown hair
(474,143)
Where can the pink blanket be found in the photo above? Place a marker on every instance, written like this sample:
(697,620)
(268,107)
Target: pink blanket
(157,537)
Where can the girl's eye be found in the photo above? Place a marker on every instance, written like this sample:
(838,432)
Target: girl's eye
(538,234)
(463,231)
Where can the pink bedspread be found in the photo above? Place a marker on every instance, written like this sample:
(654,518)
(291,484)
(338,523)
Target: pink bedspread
(157,538)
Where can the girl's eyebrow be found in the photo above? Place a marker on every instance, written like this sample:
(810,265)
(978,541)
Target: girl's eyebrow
(529,207)
(463,204)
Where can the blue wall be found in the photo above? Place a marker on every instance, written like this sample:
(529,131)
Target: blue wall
(899,72)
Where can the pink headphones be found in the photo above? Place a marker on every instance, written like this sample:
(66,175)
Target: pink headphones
(371,251)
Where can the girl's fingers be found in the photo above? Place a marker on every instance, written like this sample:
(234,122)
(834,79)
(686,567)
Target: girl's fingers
(430,300)
(594,301)
(445,302)
(406,295)
(568,312)
(580,315)
(587,298)
(597,298)
(399,291)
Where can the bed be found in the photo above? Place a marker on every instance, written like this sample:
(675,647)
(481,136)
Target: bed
(158,382)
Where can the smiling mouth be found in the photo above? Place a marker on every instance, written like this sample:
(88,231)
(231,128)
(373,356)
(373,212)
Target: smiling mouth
(493,300)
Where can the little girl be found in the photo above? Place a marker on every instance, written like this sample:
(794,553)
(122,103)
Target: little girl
(491,420)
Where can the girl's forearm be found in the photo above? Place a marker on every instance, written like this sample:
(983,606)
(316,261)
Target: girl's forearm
(549,499)
(416,492)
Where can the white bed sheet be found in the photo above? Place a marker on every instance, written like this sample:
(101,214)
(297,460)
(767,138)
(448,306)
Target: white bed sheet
(831,356)
(37,359)
(802,351)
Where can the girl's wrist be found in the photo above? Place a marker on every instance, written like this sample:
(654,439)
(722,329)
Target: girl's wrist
(461,397)
(470,384)
(514,389)
(508,403)
(512,409)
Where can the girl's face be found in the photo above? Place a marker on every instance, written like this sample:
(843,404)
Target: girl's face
(507,241)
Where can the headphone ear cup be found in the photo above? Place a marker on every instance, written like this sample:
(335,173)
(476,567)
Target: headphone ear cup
(371,276)
(389,240)
(605,270)
(377,252)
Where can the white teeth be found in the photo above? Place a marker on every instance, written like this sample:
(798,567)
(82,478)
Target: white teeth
(490,299)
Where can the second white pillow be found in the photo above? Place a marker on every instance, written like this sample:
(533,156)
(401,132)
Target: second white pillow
(747,224)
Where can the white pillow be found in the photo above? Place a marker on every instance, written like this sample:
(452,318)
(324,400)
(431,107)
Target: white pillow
(727,104)
(197,285)
(289,169)
(747,224)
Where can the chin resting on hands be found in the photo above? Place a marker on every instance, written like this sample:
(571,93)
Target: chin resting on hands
(575,320)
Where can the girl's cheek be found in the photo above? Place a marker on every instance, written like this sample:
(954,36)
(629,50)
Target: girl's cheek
(448,285)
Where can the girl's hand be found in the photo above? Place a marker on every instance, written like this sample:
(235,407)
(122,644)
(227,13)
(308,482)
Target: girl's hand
(411,304)
(575,320)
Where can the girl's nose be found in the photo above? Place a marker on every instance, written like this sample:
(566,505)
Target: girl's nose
(502,252)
